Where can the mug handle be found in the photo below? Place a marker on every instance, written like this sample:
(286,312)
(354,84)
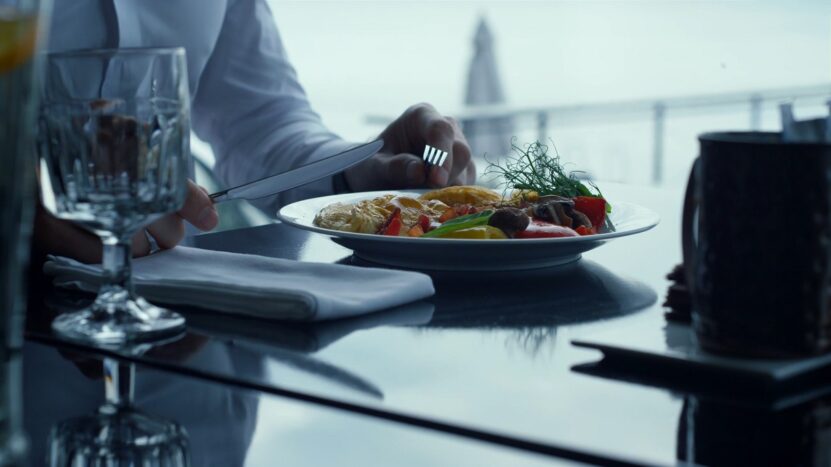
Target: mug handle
(688,243)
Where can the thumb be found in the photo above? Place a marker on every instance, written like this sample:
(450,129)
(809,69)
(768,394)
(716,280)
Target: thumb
(199,210)
(403,170)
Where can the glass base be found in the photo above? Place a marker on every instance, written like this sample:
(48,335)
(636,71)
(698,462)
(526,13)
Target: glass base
(13,453)
(118,437)
(114,322)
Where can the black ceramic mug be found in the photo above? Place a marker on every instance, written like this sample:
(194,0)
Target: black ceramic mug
(757,260)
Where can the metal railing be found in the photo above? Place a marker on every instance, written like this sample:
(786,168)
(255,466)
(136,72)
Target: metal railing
(656,107)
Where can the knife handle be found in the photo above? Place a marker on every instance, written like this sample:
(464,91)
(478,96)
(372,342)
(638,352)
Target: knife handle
(219,196)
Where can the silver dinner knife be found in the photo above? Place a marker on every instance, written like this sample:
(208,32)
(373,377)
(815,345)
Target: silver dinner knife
(308,173)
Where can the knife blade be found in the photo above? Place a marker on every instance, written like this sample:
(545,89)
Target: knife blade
(308,173)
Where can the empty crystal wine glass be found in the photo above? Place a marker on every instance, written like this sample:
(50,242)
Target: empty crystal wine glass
(114,150)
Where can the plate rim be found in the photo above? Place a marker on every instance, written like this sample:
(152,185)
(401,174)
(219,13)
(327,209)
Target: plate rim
(654,220)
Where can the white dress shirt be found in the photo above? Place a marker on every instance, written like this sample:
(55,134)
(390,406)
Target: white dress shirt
(246,100)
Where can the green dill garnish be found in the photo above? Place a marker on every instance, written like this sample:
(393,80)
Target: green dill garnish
(532,168)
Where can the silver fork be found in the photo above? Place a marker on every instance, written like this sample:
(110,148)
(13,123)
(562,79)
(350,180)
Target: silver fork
(433,156)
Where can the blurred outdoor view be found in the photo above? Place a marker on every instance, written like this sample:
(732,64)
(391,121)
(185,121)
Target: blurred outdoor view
(364,62)
(362,58)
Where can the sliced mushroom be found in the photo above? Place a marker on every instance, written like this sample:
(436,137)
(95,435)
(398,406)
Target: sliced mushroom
(560,209)
(509,220)
(580,219)
(554,209)
(545,212)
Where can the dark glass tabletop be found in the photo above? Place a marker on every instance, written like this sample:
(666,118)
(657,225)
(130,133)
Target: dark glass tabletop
(229,426)
(488,357)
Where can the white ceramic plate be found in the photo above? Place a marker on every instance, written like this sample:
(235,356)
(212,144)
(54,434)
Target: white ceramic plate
(464,254)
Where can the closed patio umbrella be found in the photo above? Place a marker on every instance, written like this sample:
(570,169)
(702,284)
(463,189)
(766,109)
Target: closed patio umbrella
(492,136)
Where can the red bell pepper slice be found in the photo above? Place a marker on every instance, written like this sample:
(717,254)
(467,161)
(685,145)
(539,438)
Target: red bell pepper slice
(424,222)
(464,209)
(392,226)
(583,230)
(593,207)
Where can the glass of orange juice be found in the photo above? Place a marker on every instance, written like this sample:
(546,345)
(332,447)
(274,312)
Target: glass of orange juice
(19,38)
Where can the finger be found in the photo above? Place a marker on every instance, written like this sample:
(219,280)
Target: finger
(199,210)
(454,122)
(140,245)
(168,231)
(402,170)
(470,175)
(461,150)
(461,162)
(439,132)
(437,177)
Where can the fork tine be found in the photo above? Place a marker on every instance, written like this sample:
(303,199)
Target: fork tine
(433,155)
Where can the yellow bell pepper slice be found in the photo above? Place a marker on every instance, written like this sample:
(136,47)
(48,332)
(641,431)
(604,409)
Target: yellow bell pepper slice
(482,232)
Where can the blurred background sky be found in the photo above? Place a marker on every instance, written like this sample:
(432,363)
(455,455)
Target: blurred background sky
(357,58)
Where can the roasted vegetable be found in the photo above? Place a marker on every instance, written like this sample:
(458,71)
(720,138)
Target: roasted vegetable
(459,223)
(593,208)
(553,209)
(481,232)
(415,231)
(448,214)
(424,222)
(509,220)
(392,226)
(578,219)
(560,211)
(583,230)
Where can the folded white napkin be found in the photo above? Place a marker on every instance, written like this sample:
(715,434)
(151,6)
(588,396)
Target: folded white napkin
(256,286)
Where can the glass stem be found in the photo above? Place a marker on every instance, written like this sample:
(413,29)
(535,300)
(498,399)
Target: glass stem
(118,383)
(117,266)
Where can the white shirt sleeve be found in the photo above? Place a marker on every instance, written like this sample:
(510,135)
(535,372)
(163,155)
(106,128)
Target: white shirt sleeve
(252,110)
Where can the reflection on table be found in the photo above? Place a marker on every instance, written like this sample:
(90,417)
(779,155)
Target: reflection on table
(481,354)
(722,432)
(61,386)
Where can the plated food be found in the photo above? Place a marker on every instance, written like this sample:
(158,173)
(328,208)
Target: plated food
(473,228)
(469,212)
(460,254)
(546,202)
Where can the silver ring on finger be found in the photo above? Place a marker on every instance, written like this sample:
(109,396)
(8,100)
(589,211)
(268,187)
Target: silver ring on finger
(151,240)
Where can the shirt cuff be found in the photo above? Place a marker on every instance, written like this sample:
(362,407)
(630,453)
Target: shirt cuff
(339,184)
